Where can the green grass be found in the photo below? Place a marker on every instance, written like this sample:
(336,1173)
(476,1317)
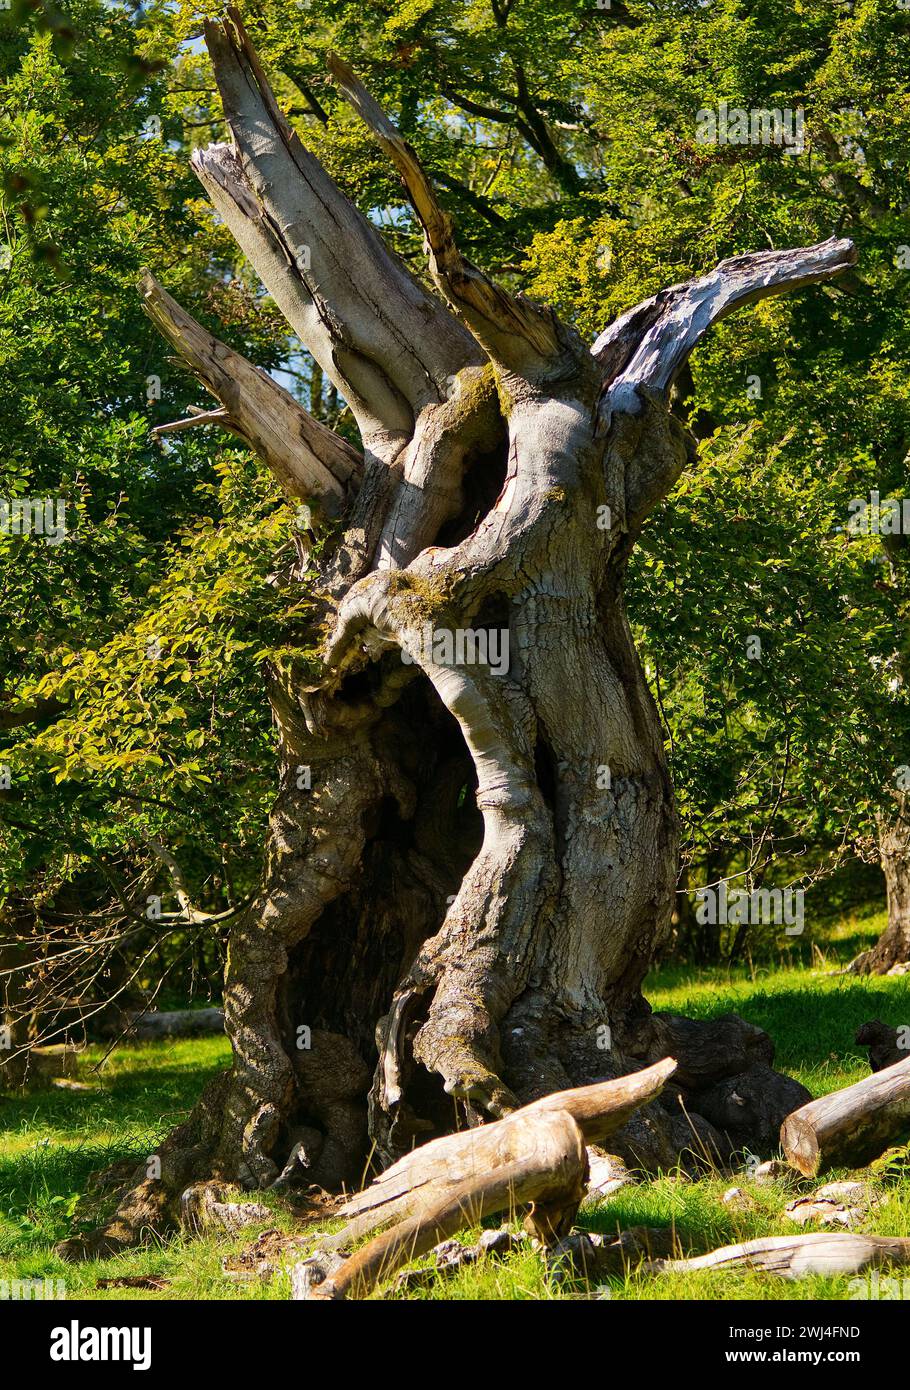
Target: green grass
(51,1140)
(811,1013)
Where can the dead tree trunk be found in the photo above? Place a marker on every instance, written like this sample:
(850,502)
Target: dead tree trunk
(466,887)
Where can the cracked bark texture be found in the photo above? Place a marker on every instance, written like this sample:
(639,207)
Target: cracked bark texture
(463,905)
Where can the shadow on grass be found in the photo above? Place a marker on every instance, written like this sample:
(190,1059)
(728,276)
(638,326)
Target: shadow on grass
(696,1225)
(52,1140)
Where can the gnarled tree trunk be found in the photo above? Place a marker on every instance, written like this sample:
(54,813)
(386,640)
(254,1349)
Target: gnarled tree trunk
(464,893)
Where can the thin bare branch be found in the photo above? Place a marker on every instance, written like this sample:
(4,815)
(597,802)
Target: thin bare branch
(200,417)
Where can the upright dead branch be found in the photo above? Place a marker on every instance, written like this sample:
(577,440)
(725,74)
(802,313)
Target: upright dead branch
(515,332)
(385,342)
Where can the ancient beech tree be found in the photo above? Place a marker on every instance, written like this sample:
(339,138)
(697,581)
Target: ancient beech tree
(462,904)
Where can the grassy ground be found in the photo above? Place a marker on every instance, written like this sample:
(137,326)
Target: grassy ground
(50,1141)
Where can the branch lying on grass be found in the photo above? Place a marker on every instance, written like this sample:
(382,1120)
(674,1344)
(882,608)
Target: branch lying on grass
(550,1182)
(797,1257)
(534,1158)
(851,1126)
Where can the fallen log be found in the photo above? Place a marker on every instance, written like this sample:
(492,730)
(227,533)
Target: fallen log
(795,1257)
(535,1159)
(177,1023)
(40,1066)
(851,1127)
(550,1181)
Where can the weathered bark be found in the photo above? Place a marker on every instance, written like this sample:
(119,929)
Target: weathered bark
(798,1257)
(533,1161)
(482,866)
(14,1020)
(852,1126)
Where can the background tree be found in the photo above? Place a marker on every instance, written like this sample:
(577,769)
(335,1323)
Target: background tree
(782,764)
(112,739)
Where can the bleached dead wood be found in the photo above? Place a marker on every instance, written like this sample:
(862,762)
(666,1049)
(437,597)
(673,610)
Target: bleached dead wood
(381,337)
(534,1158)
(796,1257)
(308,459)
(648,345)
(549,1180)
(852,1126)
(547,913)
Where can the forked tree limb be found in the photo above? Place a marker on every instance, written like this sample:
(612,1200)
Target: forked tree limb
(309,460)
(852,1126)
(419,1180)
(548,1179)
(385,341)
